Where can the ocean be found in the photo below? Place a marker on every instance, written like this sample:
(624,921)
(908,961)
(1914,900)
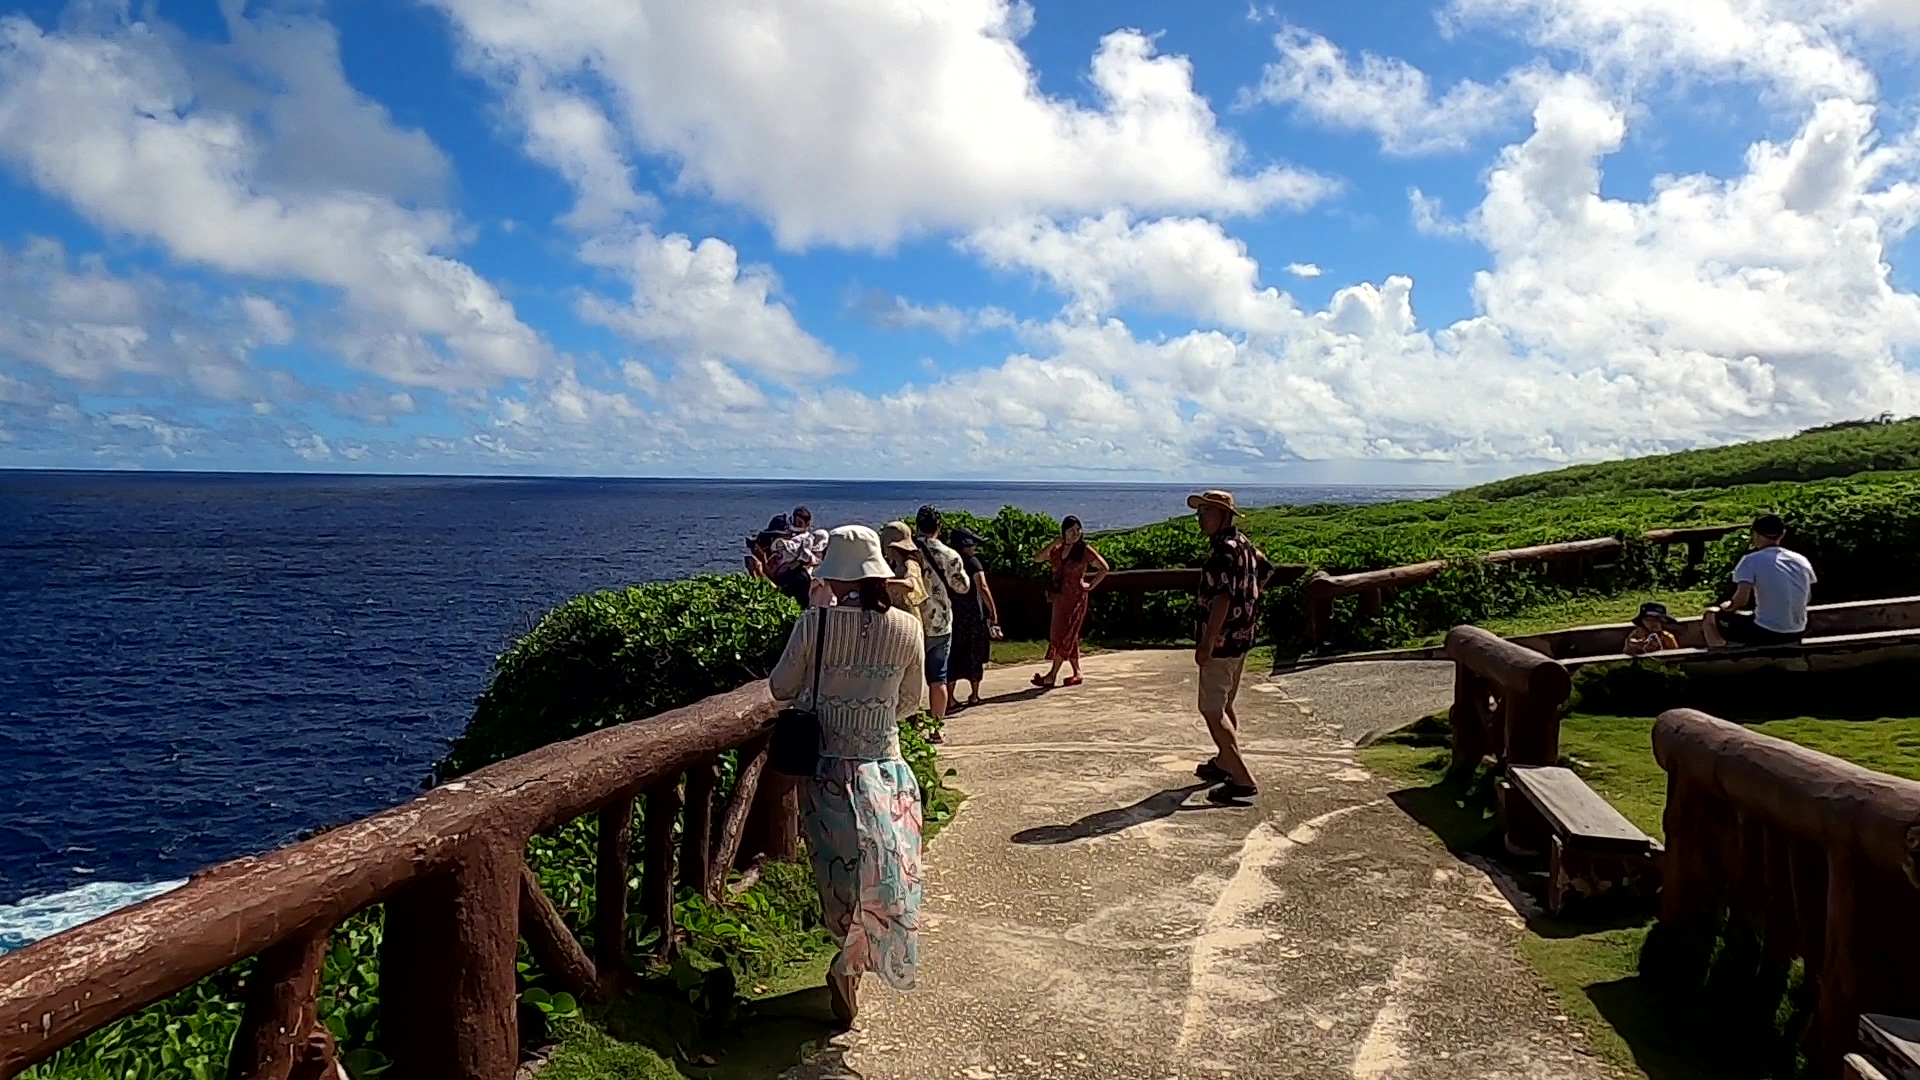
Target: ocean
(199,666)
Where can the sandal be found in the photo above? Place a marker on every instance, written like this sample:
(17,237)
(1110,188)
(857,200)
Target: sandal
(1210,771)
(972,701)
(1232,794)
(1073,680)
(1043,682)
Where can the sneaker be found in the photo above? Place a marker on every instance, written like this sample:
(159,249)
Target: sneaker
(1210,771)
(1230,793)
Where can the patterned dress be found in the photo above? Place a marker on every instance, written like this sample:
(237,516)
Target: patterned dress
(861,809)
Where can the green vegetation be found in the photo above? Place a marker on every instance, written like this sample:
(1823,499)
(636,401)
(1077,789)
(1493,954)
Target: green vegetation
(1729,1016)
(595,660)
(1881,444)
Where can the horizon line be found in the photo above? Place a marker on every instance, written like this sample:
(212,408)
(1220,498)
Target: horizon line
(276,473)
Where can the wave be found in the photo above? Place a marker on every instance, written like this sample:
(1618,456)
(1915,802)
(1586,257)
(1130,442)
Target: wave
(35,917)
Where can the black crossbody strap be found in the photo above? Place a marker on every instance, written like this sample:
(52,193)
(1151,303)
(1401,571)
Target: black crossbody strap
(819,657)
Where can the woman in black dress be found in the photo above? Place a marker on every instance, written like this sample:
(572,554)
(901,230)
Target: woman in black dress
(974,620)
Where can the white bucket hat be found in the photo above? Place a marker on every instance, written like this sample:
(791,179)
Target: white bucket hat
(853,554)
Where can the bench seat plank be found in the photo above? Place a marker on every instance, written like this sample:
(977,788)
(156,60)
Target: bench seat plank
(1579,816)
(1896,1041)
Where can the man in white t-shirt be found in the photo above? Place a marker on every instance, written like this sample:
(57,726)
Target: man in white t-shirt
(1776,582)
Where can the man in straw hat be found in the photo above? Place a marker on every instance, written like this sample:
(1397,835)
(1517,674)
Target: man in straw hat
(1227,616)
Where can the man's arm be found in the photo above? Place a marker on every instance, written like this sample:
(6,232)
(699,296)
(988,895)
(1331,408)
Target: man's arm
(1742,598)
(1216,625)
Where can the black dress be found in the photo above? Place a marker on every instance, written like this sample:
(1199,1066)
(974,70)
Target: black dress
(971,641)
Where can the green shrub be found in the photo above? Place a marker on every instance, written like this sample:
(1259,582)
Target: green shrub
(1859,534)
(609,657)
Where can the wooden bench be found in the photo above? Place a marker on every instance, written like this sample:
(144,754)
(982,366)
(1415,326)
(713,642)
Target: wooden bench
(1592,847)
(1892,1046)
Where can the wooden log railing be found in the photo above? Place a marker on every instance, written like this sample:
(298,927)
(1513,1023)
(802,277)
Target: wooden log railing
(450,869)
(1023,601)
(1573,558)
(1507,703)
(1816,853)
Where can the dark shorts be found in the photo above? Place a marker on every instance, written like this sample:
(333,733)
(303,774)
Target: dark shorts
(1739,628)
(939,650)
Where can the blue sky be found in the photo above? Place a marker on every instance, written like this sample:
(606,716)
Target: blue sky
(1409,242)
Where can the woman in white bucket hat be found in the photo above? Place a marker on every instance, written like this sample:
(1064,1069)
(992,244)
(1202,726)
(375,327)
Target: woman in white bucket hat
(861,808)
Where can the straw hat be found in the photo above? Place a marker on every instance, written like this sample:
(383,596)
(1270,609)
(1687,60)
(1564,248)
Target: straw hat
(853,554)
(1219,500)
(896,535)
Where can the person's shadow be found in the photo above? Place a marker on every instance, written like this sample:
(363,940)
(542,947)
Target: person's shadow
(1158,805)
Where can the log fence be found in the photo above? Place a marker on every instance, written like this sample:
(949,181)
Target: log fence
(1570,560)
(1816,853)
(450,868)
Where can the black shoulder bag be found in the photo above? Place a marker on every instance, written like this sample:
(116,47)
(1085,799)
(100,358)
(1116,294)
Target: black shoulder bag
(795,747)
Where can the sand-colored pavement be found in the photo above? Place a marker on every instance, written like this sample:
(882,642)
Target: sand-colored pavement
(1089,914)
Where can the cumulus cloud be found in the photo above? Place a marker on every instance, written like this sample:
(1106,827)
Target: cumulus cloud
(1714,309)
(699,306)
(1788,46)
(859,122)
(113,120)
(1389,97)
(1304,270)
(1179,266)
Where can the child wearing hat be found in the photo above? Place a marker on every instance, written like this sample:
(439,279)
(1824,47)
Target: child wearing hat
(1652,631)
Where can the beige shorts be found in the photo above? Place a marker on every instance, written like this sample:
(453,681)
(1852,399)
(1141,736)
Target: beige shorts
(1220,684)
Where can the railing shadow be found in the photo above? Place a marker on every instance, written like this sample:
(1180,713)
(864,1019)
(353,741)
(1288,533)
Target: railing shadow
(1161,804)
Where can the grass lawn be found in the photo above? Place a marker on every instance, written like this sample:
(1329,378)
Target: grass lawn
(1591,961)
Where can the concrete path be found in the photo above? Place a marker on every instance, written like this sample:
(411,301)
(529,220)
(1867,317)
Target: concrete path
(1088,914)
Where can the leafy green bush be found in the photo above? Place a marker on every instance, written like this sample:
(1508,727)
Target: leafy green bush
(609,657)
(1859,534)
(1008,540)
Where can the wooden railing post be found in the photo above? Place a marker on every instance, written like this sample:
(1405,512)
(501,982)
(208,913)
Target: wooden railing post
(1320,611)
(733,822)
(1469,733)
(656,882)
(611,869)
(553,945)
(696,834)
(773,826)
(281,1008)
(448,1001)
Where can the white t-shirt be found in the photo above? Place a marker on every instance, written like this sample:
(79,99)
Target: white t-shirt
(1781,581)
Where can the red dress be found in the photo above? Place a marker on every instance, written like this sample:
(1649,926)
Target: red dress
(1069,606)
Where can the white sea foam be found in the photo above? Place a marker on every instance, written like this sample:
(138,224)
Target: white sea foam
(36,917)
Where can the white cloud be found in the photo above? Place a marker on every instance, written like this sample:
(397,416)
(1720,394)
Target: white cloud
(1304,270)
(1787,45)
(1389,97)
(1179,266)
(111,122)
(860,121)
(1715,309)
(697,304)
(885,311)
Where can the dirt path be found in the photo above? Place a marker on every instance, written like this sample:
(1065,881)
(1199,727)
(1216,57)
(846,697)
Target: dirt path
(1088,914)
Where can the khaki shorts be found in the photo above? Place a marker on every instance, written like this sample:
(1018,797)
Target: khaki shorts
(1220,684)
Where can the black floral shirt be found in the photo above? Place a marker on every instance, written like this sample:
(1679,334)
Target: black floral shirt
(1234,569)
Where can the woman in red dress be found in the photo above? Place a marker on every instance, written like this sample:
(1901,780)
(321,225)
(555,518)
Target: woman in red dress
(1069,558)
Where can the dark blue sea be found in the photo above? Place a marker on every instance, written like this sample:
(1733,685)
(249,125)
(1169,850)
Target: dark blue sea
(195,667)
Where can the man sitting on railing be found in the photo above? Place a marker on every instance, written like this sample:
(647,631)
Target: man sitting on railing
(1776,582)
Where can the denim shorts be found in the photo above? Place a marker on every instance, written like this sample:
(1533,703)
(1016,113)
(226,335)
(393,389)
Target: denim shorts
(938,650)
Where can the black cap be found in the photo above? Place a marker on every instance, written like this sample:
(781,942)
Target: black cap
(1770,526)
(1653,609)
(965,538)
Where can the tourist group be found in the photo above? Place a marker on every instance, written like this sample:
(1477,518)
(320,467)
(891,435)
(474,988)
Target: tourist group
(895,613)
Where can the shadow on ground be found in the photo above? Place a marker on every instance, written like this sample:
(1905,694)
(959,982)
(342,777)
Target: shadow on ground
(1159,805)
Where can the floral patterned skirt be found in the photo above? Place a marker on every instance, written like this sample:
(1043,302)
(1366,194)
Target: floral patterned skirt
(862,822)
